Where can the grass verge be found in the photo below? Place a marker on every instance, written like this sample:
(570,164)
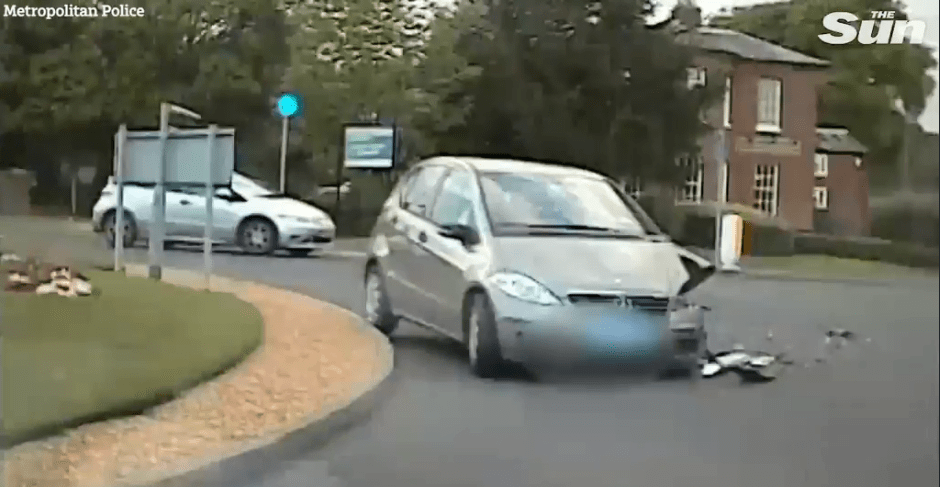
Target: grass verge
(141,342)
(827,267)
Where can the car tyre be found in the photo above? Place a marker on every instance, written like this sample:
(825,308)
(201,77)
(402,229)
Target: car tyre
(257,236)
(378,308)
(481,338)
(130,229)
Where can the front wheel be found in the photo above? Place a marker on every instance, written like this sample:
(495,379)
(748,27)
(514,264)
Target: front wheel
(129,232)
(482,340)
(257,236)
(378,308)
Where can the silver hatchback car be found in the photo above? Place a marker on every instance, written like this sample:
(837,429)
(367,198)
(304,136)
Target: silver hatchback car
(533,264)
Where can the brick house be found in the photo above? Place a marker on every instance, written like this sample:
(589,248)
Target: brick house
(768,122)
(840,194)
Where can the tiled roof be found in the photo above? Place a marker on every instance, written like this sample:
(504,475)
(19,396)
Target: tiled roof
(745,46)
(838,140)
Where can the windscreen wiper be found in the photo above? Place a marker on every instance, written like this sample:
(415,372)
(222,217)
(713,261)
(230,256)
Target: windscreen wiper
(567,226)
(577,227)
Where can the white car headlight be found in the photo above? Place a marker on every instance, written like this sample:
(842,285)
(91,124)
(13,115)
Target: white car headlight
(524,288)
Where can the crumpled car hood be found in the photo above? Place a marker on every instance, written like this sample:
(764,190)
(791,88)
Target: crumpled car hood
(572,263)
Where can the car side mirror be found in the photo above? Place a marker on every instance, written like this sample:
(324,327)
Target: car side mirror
(463,233)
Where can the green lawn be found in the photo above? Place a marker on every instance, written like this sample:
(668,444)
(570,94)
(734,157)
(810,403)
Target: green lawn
(140,342)
(822,266)
(54,239)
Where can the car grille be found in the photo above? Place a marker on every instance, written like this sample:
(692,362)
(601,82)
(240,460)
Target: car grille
(646,303)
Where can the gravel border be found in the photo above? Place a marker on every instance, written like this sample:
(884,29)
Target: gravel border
(280,445)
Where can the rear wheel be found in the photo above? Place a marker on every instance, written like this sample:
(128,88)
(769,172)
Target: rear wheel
(482,340)
(257,236)
(378,308)
(129,232)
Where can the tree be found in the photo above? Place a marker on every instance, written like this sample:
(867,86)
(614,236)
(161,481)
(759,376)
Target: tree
(583,84)
(71,81)
(866,79)
(365,59)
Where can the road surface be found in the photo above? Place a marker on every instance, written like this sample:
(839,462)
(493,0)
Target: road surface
(866,417)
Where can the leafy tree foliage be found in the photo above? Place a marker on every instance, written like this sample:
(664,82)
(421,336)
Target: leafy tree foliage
(585,84)
(365,59)
(867,79)
(71,81)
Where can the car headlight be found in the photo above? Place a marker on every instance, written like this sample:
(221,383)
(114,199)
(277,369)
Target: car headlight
(524,288)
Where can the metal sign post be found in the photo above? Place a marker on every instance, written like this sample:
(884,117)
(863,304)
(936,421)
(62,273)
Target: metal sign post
(285,128)
(288,105)
(119,188)
(210,196)
(157,233)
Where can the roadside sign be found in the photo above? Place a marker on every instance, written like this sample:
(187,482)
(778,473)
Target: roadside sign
(86,174)
(369,147)
(185,157)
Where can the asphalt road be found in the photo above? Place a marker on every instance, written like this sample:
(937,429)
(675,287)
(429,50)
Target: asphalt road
(868,416)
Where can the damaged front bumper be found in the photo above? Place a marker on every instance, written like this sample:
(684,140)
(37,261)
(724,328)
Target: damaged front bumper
(575,335)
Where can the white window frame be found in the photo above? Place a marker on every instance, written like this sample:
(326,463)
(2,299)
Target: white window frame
(821,198)
(692,189)
(633,186)
(696,77)
(727,101)
(767,188)
(820,164)
(769,105)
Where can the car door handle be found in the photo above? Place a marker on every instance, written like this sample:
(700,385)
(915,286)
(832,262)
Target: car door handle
(184,202)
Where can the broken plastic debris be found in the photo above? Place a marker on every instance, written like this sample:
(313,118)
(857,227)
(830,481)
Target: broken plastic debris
(750,366)
(710,368)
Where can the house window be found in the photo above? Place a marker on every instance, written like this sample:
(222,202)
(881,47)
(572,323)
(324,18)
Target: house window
(727,102)
(696,77)
(821,198)
(632,186)
(821,165)
(766,188)
(769,98)
(691,190)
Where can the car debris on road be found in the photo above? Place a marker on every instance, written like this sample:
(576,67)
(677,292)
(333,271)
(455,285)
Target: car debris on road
(751,366)
(758,366)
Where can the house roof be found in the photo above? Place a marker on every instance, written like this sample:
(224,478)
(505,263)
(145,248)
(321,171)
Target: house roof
(838,141)
(745,46)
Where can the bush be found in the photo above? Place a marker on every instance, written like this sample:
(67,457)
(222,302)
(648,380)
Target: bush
(913,219)
(696,228)
(900,253)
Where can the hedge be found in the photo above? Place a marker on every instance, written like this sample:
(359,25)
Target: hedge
(862,248)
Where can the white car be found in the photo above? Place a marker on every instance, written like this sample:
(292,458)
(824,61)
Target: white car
(247,215)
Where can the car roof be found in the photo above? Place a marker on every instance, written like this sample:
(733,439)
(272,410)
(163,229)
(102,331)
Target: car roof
(485,164)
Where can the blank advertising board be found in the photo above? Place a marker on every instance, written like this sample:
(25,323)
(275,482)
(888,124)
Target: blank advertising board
(186,155)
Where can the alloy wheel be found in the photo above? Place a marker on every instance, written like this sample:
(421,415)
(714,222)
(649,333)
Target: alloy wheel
(473,333)
(373,297)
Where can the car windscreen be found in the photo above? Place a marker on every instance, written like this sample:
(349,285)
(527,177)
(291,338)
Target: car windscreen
(535,202)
